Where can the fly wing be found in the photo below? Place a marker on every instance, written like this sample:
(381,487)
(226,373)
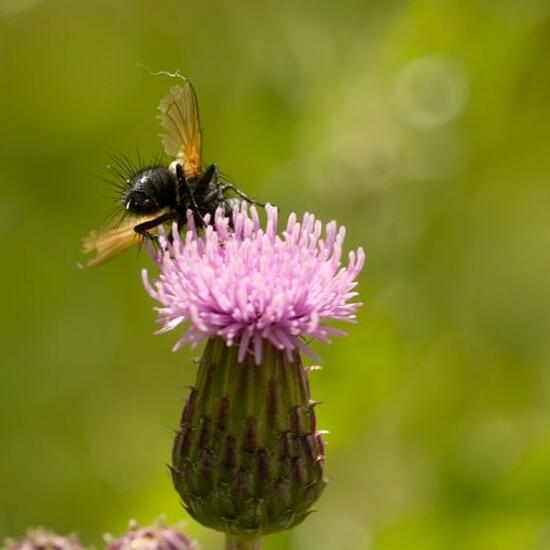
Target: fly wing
(178,113)
(112,241)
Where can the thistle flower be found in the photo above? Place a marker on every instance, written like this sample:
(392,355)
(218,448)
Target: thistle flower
(249,285)
(40,539)
(248,457)
(155,537)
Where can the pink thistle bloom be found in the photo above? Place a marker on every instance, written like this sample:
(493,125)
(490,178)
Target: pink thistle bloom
(247,284)
(158,536)
(40,539)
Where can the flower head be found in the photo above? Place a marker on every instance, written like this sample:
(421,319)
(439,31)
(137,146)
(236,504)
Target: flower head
(155,537)
(247,284)
(40,539)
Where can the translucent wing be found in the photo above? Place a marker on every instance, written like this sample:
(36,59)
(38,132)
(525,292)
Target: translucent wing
(114,240)
(178,113)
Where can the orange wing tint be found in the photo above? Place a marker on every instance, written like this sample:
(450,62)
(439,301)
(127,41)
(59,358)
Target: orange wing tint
(113,241)
(178,113)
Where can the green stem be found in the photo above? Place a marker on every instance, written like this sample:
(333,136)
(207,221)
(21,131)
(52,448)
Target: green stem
(234,542)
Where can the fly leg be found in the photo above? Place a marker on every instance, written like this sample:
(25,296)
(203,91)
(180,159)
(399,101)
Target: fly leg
(183,184)
(212,176)
(212,190)
(223,188)
(144,228)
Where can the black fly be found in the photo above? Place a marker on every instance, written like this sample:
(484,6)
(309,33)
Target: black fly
(156,194)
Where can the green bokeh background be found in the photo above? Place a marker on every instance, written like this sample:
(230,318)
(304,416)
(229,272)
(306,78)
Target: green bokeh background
(423,126)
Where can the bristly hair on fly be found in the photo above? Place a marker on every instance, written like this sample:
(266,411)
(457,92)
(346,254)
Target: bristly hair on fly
(117,175)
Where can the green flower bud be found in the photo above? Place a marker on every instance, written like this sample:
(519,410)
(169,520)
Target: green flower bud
(248,459)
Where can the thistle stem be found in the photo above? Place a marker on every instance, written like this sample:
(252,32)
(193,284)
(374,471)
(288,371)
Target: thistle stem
(234,542)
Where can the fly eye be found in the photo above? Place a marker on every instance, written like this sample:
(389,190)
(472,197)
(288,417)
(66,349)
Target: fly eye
(140,203)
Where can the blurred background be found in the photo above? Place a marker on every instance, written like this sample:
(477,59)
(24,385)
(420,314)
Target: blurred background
(422,126)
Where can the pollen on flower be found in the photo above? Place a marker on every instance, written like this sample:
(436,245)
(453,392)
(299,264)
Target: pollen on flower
(247,284)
